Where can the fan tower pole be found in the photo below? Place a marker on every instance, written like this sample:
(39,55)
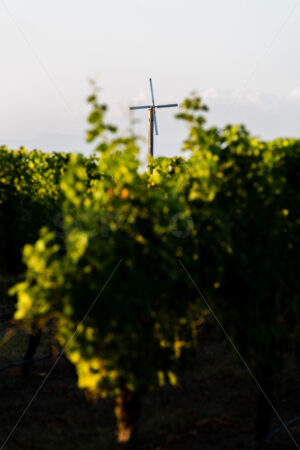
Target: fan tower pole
(150,134)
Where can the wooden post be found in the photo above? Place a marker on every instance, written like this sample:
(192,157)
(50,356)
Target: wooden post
(150,134)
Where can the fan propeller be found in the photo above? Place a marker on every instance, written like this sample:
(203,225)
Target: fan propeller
(152,115)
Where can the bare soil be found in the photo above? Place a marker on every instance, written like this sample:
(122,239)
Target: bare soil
(212,408)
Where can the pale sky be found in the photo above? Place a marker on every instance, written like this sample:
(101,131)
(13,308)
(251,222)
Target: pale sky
(242,56)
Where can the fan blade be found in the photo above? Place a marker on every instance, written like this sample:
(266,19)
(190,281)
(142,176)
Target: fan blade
(140,107)
(151,88)
(155,122)
(172,105)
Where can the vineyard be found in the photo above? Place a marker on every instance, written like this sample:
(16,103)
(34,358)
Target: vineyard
(127,267)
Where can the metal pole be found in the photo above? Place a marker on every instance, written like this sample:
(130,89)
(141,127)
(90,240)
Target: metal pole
(150,134)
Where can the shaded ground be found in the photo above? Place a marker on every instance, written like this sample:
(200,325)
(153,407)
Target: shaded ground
(213,408)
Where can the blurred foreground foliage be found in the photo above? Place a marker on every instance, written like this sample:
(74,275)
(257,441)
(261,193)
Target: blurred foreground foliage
(228,214)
